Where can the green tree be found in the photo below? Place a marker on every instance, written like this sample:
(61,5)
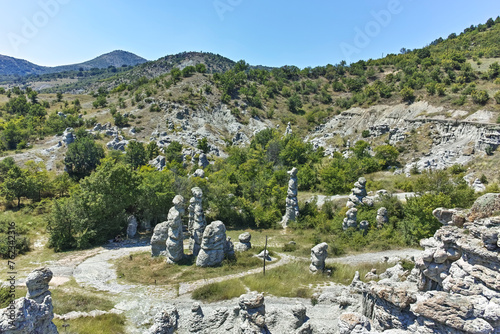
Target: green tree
(387,154)
(152,150)
(173,152)
(176,74)
(294,103)
(15,184)
(135,154)
(203,145)
(407,94)
(480,96)
(82,157)
(360,149)
(59,96)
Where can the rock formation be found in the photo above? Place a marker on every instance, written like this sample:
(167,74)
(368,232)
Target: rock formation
(197,220)
(359,195)
(229,248)
(203,161)
(454,287)
(32,314)
(165,322)
(244,243)
(292,204)
(131,226)
(382,217)
(159,239)
(288,130)
(351,219)
(174,246)
(213,245)
(364,225)
(37,283)
(253,313)
(158,163)
(318,257)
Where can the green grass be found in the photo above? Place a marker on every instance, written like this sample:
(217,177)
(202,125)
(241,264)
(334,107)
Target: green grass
(104,324)
(144,269)
(219,291)
(65,301)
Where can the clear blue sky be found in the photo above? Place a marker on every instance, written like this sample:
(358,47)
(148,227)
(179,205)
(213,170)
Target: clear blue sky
(273,33)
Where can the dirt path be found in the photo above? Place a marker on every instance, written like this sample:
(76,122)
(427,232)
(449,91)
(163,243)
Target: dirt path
(139,303)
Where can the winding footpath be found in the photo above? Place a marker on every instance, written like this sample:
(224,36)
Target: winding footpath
(141,302)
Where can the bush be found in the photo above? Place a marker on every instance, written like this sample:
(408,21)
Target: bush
(480,96)
(407,94)
(497,96)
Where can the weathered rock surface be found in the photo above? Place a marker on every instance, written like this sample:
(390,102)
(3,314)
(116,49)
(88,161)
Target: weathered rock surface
(353,323)
(244,243)
(292,204)
(33,314)
(159,239)
(351,219)
(455,285)
(213,245)
(165,322)
(382,217)
(253,314)
(37,283)
(318,257)
(131,226)
(158,163)
(197,222)
(174,250)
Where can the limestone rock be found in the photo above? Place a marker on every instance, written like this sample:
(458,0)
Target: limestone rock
(292,204)
(196,324)
(244,243)
(203,161)
(131,226)
(159,239)
(484,206)
(158,163)
(212,246)
(33,314)
(351,219)
(253,313)
(165,321)
(364,225)
(37,283)
(174,250)
(318,257)
(197,222)
(353,323)
(199,173)
(382,217)
(26,316)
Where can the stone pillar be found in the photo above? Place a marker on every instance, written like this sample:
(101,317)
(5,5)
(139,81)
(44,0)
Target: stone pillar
(199,223)
(292,204)
(174,245)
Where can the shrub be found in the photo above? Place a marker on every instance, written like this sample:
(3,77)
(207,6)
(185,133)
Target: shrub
(497,96)
(480,96)
(407,94)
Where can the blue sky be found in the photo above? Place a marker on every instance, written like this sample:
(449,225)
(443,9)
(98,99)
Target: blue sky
(273,33)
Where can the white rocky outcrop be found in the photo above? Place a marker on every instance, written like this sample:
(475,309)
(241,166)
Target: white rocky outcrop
(174,250)
(32,314)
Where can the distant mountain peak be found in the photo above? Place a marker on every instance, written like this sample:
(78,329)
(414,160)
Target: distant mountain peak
(116,58)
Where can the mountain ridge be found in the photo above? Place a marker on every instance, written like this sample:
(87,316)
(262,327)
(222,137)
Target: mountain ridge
(21,67)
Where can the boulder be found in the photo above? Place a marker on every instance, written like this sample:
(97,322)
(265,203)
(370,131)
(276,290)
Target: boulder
(159,239)
(131,226)
(244,242)
(158,163)
(353,323)
(382,217)
(318,257)
(213,245)
(203,161)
